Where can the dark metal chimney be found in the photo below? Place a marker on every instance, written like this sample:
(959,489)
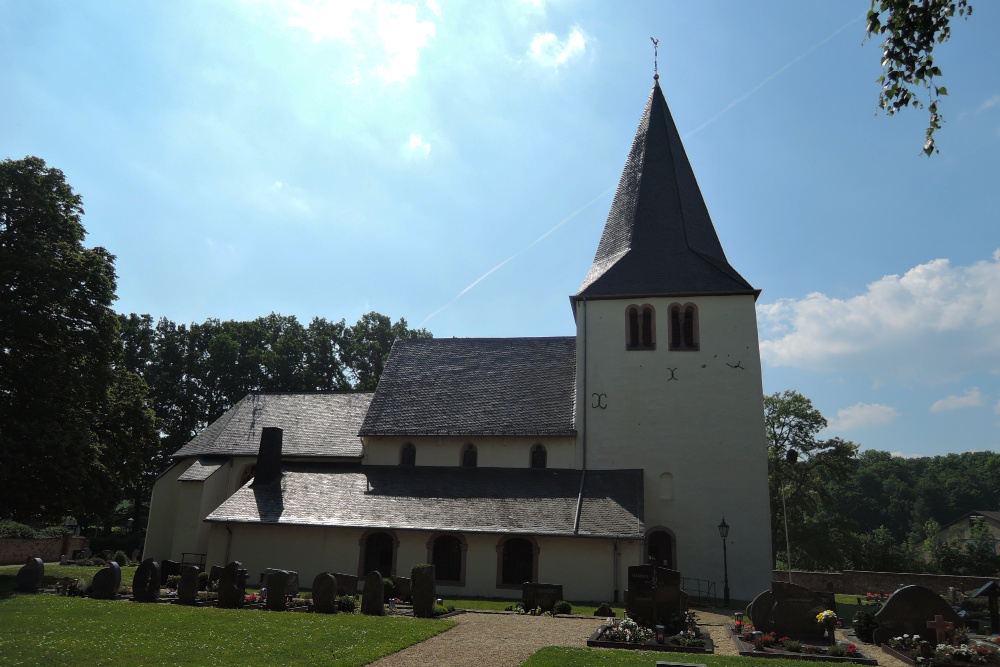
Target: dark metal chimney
(268,456)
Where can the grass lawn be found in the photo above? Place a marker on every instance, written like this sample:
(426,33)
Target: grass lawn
(8,575)
(46,629)
(558,656)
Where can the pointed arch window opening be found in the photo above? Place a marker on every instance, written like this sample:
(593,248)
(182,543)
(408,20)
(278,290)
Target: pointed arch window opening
(470,457)
(539,457)
(684,330)
(408,455)
(640,331)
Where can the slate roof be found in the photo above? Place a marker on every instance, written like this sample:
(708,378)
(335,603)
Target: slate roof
(476,386)
(314,424)
(476,500)
(202,469)
(659,238)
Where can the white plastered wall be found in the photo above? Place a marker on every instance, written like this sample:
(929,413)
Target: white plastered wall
(699,437)
(492,451)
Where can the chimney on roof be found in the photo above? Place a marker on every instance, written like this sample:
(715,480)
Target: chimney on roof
(268,456)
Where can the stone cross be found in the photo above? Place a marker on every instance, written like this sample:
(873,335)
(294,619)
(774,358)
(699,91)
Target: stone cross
(940,625)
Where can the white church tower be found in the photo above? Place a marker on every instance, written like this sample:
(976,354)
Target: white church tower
(668,369)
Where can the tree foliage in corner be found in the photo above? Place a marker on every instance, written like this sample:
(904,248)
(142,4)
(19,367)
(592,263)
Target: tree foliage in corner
(911,29)
(58,339)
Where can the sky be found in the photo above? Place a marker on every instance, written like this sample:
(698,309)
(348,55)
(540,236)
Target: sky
(453,163)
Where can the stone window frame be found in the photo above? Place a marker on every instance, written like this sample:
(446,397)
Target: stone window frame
(531,456)
(645,315)
(402,454)
(534,559)
(363,550)
(430,557)
(685,313)
(469,446)
(673,544)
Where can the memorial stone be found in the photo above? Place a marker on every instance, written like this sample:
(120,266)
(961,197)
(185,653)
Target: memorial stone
(605,610)
(759,611)
(324,593)
(371,597)
(168,568)
(213,576)
(291,581)
(795,609)
(535,595)
(64,560)
(654,594)
(187,590)
(347,584)
(146,582)
(422,590)
(403,588)
(907,612)
(29,577)
(277,584)
(232,586)
(106,582)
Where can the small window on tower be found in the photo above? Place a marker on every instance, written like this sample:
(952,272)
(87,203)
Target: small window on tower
(408,455)
(538,456)
(684,326)
(470,457)
(640,327)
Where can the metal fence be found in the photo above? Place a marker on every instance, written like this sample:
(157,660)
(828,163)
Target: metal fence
(701,591)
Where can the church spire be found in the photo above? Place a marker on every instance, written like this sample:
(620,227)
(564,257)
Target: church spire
(659,238)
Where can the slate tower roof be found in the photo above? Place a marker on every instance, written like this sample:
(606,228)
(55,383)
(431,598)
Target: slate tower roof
(659,238)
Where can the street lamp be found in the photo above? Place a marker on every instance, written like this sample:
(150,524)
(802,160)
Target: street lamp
(724,533)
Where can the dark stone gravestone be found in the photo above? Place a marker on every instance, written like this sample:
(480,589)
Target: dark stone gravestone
(168,568)
(146,582)
(795,609)
(291,581)
(347,584)
(277,583)
(187,590)
(403,588)
(29,577)
(759,612)
(422,590)
(232,586)
(654,594)
(213,576)
(605,610)
(324,591)
(371,597)
(534,595)
(907,612)
(107,581)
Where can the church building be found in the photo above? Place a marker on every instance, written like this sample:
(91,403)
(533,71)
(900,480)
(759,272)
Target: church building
(561,460)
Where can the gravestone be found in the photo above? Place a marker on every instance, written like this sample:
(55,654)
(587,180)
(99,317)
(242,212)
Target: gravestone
(213,576)
(605,610)
(277,583)
(403,588)
(168,568)
(291,581)
(795,609)
(654,594)
(232,586)
(347,584)
(146,582)
(324,591)
(422,590)
(371,597)
(106,582)
(86,553)
(187,590)
(534,595)
(29,577)
(64,560)
(759,611)
(907,612)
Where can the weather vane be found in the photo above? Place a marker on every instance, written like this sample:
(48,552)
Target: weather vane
(656,43)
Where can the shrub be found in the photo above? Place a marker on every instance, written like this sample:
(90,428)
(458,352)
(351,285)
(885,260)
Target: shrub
(563,607)
(837,651)
(348,604)
(13,529)
(95,561)
(438,610)
(202,581)
(51,531)
(120,558)
(793,645)
(173,581)
(388,589)
(864,625)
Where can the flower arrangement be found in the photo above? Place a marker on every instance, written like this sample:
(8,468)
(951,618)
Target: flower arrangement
(852,651)
(827,618)
(628,631)
(252,598)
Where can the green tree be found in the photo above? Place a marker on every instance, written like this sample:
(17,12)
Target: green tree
(911,29)
(366,346)
(57,344)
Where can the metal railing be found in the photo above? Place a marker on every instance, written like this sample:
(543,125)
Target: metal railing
(700,591)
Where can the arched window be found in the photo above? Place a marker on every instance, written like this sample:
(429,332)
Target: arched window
(378,553)
(660,548)
(684,326)
(517,562)
(408,455)
(470,457)
(538,456)
(640,330)
(448,557)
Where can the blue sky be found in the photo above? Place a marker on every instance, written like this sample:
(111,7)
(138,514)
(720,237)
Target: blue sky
(327,159)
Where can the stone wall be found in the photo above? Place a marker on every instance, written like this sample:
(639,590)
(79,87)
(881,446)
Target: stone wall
(857,582)
(16,551)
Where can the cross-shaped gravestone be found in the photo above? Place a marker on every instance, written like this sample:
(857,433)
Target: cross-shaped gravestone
(939,625)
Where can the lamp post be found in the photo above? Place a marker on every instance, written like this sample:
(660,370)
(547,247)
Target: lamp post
(724,533)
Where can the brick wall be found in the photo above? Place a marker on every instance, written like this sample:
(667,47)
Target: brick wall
(16,551)
(857,582)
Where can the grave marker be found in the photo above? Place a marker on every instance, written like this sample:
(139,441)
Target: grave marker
(146,582)
(654,594)
(106,582)
(278,583)
(29,577)
(534,595)
(324,592)
(422,590)
(372,595)
(187,590)
(232,586)
(908,610)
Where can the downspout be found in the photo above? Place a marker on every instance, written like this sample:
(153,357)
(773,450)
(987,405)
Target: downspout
(229,541)
(614,560)
(583,423)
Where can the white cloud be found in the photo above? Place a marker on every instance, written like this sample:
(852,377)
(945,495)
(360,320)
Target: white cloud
(861,415)
(993,101)
(996,408)
(901,455)
(416,147)
(547,50)
(973,398)
(382,31)
(934,323)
